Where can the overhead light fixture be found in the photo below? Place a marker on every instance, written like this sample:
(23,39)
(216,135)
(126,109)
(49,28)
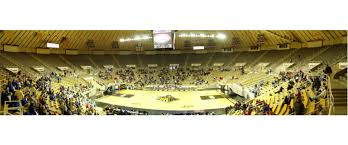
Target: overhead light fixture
(198,47)
(146,37)
(202,35)
(221,36)
(136,38)
(52,45)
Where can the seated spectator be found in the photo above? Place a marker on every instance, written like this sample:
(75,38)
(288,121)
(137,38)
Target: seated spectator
(328,70)
(299,107)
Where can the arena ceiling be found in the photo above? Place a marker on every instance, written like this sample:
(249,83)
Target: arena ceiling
(103,39)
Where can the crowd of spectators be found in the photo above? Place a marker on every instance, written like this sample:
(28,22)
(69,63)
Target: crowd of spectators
(36,97)
(295,82)
(114,110)
(157,76)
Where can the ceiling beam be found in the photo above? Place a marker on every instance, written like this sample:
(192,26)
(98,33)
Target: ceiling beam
(279,36)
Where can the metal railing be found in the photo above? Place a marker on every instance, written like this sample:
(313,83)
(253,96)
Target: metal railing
(7,109)
(330,97)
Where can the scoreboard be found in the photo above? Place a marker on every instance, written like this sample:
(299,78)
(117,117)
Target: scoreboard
(163,39)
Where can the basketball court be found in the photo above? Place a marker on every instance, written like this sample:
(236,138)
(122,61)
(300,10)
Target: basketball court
(184,101)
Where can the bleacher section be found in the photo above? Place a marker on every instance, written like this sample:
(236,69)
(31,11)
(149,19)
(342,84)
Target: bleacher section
(198,58)
(275,100)
(225,58)
(24,59)
(5,62)
(102,60)
(299,58)
(247,57)
(174,59)
(52,59)
(151,59)
(270,56)
(125,60)
(332,54)
(79,60)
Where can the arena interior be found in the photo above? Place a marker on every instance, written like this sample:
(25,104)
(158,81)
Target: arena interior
(173,72)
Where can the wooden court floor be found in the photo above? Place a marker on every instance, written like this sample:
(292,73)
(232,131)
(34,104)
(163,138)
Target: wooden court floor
(185,100)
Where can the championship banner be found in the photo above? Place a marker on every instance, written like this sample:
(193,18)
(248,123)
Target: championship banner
(39,68)
(152,65)
(131,65)
(240,64)
(108,66)
(218,64)
(13,69)
(63,68)
(196,64)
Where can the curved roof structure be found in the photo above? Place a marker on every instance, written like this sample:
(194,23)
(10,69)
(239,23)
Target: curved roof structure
(103,39)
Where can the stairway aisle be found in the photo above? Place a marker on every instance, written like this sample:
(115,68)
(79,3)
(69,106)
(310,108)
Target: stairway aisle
(340,96)
(72,66)
(95,65)
(116,61)
(50,68)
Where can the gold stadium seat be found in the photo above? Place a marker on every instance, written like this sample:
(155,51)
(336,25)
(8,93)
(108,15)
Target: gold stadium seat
(277,111)
(292,103)
(311,107)
(51,104)
(305,98)
(269,100)
(283,110)
(274,107)
(322,102)
(254,102)
(57,103)
(311,92)
(287,111)
(272,102)
(47,101)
